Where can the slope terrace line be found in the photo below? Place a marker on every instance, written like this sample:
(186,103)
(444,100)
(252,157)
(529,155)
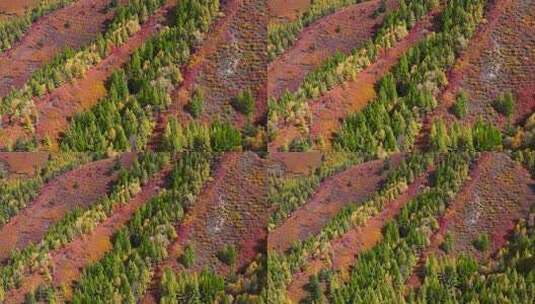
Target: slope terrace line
(354,184)
(68,262)
(342,31)
(72,26)
(76,188)
(354,95)
(232,61)
(476,47)
(56,108)
(344,250)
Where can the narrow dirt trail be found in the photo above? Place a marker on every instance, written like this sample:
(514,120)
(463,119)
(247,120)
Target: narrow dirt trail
(68,262)
(76,188)
(353,185)
(498,193)
(231,209)
(462,67)
(56,109)
(329,110)
(344,251)
(72,26)
(342,31)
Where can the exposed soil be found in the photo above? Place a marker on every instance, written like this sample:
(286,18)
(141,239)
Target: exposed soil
(48,36)
(298,163)
(281,11)
(342,31)
(231,210)
(23,164)
(68,262)
(10,9)
(329,110)
(499,192)
(343,251)
(233,58)
(77,188)
(353,185)
(56,109)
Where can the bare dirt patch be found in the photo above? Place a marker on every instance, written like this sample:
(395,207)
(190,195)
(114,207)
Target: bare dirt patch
(10,9)
(23,164)
(343,251)
(77,188)
(231,210)
(298,163)
(281,11)
(353,185)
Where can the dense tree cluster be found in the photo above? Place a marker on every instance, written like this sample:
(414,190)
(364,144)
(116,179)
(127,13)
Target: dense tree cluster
(13,29)
(123,119)
(462,279)
(196,104)
(282,266)
(390,122)
(209,287)
(339,68)
(124,273)
(482,136)
(70,64)
(244,102)
(220,136)
(379,274)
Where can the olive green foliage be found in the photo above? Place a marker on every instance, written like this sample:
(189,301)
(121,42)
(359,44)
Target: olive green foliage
(14,28)
(460,106)
(482,136)
(244,102)
(196,104)
(188,257)
(73,64)
(220,136)
(227,255)
(78,221)
(505,104)
(482,242)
